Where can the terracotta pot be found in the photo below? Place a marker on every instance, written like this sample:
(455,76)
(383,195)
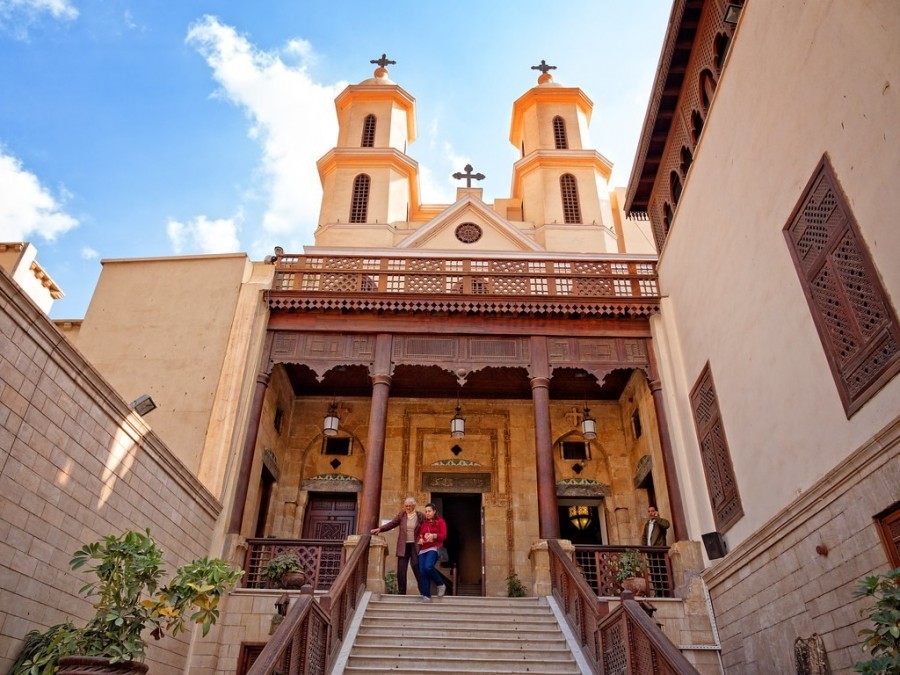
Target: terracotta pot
(90,665)
(293,579)
(637,585)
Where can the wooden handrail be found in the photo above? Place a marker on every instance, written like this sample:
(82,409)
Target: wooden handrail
(308,639)
(630,638)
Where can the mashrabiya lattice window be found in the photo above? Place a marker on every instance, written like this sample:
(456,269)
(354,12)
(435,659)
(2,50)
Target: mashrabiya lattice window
(359,202)
(857,325)
(568,188)
(368,132)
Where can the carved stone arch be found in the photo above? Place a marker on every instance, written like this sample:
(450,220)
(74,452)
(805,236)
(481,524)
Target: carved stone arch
(598,452)
(312,449)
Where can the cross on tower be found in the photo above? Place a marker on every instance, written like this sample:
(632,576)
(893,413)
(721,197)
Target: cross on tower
(468,175)
(544,68)
(383,61)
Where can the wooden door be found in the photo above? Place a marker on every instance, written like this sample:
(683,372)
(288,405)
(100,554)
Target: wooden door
(330,517)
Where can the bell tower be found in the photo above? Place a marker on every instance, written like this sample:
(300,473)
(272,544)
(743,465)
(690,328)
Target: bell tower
(368,180)
(562,182)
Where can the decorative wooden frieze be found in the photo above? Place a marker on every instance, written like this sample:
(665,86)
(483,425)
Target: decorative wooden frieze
(460,355)
(297,346)
(595,353)
(456,482)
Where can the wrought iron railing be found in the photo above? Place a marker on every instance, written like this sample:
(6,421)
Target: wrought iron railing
(624,642)
(597,564)
(310,637)
(536,278)
(321,560)
(632,642)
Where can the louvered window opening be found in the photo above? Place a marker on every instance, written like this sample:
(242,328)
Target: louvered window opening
(359,204)
(368,132)
(721,482)
(857,325)
(559,133)
(569,190)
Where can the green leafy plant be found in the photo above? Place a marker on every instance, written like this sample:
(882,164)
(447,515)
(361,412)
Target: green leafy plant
(280,565)
(882,641)
(514,587)
(129,599)
(630,563)
(391,587)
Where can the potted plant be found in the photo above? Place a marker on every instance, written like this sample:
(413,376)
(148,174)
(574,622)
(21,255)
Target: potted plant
(631,570)
(285,571)
(130,599)
(882,641)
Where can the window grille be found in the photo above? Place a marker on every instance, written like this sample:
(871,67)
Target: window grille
(479,266)
(285,281)
(310,282)
(359,204)
(857,325)
(559,133)
(454,284)
(395,264)
(574,450)
(696,126)
(369,283)
(368,132)
(562,268)
(687,158)
(563,286)
(568,187)
(675,186)
(395,283)
(707,88)
(336,446)
(453,265)
(721,482)
(539,286)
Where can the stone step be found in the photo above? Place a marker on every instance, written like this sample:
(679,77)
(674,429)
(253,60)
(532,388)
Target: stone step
(435,619)
(472,601)
(472,639)
(462,632)
(462,651)
(440,664)
(439,607)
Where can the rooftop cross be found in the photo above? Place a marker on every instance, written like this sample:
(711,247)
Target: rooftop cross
(544,68)
(383,61)
(468,175)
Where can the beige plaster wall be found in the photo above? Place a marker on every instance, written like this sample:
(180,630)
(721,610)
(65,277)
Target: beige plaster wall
(162,327)
(76,464)
(734,298)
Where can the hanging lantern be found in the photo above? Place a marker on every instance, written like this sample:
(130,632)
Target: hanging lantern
(332,421)
(580,516)
(588,425)
(457,425)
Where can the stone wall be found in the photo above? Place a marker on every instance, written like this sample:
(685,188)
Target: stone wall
(775,587)
(77,464)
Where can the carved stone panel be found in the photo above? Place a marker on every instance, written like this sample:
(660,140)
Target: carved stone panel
(456,482)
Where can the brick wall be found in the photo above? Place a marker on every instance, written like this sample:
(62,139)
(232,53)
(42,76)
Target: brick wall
(77,464)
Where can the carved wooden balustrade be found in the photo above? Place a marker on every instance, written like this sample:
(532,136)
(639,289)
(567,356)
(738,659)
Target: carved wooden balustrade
(309,639)
(612,284)
(597,565)
(321,560)
(623,642)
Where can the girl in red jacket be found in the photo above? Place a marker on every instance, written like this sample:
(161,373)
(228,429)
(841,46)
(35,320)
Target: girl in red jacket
(432,534)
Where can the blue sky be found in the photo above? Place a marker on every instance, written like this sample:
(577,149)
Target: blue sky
(151,128)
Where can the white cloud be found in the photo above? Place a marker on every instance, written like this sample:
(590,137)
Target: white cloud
(450,161)
(88,253)
(202,235)
(27,208)
(292,116)
(17,15)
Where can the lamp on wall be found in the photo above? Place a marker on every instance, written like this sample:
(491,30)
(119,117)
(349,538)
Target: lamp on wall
(588,425)
(580,516)
(732,13)
(457,424)
(332,421)
(143,404)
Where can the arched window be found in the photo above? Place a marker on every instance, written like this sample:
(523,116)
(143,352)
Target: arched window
(667,217)
(675,186)
(368,132)
(696,126)
(559,133)
(359,204)
(687,158)
(568,188)
(707,88)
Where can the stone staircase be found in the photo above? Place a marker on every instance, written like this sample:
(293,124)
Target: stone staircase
(458,635)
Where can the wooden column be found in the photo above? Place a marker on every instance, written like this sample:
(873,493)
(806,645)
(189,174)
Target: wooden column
(548,514)
(370,501)
(249,450)
(679,525)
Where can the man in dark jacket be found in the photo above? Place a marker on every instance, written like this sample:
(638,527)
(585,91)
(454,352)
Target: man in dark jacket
(654,532)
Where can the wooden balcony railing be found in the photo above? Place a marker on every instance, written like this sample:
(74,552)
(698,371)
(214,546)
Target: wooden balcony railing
(597,564)
(309,639)
(623,642)
(321,559)
(535,278)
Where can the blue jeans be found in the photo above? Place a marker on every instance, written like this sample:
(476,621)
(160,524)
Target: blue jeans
(427,573)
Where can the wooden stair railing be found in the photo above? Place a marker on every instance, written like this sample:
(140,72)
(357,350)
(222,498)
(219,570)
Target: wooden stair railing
(309,638)
(624,642)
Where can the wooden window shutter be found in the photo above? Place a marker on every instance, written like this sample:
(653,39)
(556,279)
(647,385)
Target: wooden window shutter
(889,529)
(855,321)
(720,479)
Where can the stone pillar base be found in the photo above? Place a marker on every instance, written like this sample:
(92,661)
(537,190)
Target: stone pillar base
(377,556)
(687,562)
(540,565)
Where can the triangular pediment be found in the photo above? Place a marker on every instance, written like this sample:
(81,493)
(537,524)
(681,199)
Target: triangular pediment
(447,230)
